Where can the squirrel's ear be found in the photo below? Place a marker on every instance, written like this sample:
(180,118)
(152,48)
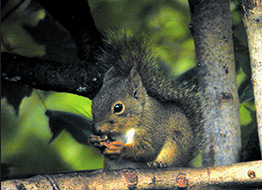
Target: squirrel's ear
(135,84)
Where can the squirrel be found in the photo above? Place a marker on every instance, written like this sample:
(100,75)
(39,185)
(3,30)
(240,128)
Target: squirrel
(141,117)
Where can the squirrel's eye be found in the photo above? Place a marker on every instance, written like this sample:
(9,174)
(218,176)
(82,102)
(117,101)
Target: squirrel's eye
(118,108)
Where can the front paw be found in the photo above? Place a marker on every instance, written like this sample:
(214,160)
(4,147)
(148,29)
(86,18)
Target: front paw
(98,141)
(113,149)
(156,164)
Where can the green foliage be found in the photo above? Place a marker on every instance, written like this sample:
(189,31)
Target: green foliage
(25,136)
(165,22)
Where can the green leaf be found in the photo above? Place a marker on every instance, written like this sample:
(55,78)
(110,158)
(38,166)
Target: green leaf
(246,91)
(28,30)
(78,126)
(15,93)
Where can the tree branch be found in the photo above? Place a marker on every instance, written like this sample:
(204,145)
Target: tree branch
(252,18)
(84,77)
(247,174)
(212,32)
(79,78)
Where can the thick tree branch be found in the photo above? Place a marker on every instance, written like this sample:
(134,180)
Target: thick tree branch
(79,78)
(212,32)
(247,174)
(252,18)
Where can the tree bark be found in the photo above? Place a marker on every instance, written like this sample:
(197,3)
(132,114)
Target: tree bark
(80,78)
(247,174)
(252,18)
(212,32)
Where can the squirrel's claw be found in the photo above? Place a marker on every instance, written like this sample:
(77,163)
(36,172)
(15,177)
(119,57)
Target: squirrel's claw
(98,141)
(156,164)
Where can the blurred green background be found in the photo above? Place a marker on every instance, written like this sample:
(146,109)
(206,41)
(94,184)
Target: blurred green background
(25,136)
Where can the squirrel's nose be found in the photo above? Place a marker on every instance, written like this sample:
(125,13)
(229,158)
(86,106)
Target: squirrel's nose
(96,130)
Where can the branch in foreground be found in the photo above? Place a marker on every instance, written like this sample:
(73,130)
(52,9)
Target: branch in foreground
(242,174)
(252,14)
(81,78)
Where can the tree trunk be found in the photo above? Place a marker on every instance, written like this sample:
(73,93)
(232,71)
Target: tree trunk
(252,18)
(212,32)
